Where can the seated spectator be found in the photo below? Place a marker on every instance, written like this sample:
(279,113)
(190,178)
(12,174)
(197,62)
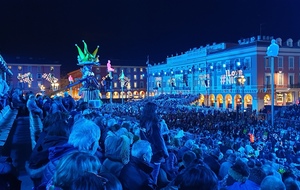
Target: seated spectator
(197,177)
(84,137)
(68,102)
(91,181)
(212,160)
(272,183)
(136,174)
(117,152)
(238,172)
(33,108)
(253,182)
(72,166)
(226,165)
(188,145)
(56,133)
(16,100)
(57,105)
(291,184)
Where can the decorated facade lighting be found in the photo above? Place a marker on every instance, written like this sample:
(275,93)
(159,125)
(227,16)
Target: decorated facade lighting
(25,78)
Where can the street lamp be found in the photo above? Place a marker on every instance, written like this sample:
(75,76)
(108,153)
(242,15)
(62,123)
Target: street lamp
(272,52)
(242,81)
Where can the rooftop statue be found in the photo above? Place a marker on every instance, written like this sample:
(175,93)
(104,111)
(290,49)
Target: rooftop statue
(85,57)
(273,49)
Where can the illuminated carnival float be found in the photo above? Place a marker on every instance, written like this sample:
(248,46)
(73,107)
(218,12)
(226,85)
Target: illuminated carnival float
(90,89)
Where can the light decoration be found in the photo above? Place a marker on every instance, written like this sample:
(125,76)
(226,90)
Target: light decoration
(85,57)
(50,77)
(124,80)
(25,78)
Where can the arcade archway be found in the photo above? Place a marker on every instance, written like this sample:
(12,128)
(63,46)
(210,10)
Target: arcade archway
(228,101)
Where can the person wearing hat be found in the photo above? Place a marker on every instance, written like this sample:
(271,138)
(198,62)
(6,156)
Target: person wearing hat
(238,172)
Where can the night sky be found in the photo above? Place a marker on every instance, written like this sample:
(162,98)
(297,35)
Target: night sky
(133,29)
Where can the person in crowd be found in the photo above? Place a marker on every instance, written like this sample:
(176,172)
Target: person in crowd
(92,181)
(33,108)
(4,88)
(238,172)
(226,165)
(136,174)
(57,105)
(150,131)
(84,137)
(272,183)
(117,153)
(55,133)
(253,182)
(72,166)
(68,102)
(212,160)
(188,145)
(17,100)
(197,177)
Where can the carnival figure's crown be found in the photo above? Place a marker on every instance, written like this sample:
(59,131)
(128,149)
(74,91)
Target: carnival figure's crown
(85,57)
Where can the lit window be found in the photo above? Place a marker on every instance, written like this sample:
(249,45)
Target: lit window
(20,68)
(134,77)
(141,77)
(9,67)
(134,69)
(115,85)
(51,68)
(135,85)
(280,78)
(141,69)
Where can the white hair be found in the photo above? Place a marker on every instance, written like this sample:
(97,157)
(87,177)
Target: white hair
(85,135)
(140,147)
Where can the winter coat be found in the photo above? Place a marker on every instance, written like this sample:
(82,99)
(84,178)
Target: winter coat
(39,157)
(136,175)
(159,148)
(55,154)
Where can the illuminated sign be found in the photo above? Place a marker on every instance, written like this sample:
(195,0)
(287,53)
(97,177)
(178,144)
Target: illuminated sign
(229,77)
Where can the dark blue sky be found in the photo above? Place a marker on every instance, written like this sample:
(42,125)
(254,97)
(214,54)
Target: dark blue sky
(133,29)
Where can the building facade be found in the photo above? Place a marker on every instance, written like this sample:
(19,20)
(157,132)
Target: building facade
(230,75)
(135,82)
(33,75)
(4,70)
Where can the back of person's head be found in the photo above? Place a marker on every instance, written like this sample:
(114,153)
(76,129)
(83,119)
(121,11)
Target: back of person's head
(239,171)
(92,181)
(118,148)
(142,149)
(291,184)
(85,135)
(231,157)
(272,183)
(198,153)
(189,143)
(56,124)
(72,165)
(197,177)
(257,175)
(111,122)
(149,112)
(189,158)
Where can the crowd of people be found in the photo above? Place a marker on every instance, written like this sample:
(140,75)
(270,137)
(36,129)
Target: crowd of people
(163,142)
